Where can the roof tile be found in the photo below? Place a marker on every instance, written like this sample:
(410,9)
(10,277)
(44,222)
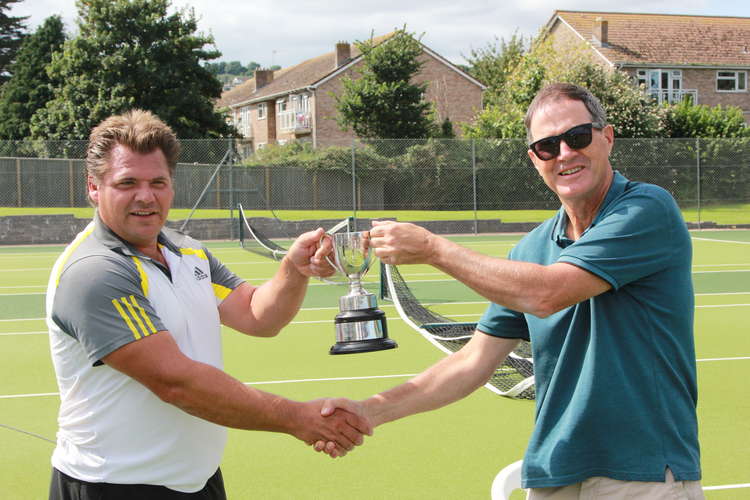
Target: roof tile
(667,39)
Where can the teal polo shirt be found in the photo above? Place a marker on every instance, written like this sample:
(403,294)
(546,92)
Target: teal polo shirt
(615,375)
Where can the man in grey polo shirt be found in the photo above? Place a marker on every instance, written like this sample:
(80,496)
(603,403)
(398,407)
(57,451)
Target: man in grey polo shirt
(604,291)
(134,312)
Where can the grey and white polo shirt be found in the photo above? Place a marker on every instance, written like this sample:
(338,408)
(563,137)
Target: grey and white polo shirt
(101,296)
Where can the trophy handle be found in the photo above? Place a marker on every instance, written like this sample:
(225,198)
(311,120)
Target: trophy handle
(333,264)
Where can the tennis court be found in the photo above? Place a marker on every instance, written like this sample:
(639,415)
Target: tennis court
(453,453)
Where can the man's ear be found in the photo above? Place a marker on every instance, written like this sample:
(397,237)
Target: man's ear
(534,159)
(93,187)
(609,134)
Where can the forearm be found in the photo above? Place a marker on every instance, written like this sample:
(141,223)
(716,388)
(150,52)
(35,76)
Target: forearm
(275,303)
(208,393)
(445,382)
(522,286)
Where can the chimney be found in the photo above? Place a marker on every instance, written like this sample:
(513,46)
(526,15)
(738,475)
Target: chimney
(601,29)
(263,77)
(343,53)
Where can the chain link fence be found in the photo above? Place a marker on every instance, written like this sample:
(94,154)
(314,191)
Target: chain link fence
(709,178)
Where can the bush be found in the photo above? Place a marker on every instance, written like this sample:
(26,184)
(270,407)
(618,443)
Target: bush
(693,120)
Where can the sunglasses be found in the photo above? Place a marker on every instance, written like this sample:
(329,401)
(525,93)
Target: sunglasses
(577,137)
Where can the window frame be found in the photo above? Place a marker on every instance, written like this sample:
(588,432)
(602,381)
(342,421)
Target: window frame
(282,105)
(262,110)
(735,78)
(245,123)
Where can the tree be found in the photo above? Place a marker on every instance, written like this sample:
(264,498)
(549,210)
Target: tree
(132,54)
(383,103)
(493,63)
(235,68)
(630,112)
(12,33)
(251,67)
(30,88)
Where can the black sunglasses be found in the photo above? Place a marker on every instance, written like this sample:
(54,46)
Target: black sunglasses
(577,137)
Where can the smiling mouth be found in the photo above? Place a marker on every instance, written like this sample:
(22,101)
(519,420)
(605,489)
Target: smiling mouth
(571,171)
(143,213)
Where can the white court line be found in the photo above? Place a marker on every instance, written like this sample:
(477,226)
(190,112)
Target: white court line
(264,382)
(727,487)
(727,271)
(725,305)
(449,304)
(723,241)
(723,359)
(23,333)
(331,379)
(721,265)
(320,283)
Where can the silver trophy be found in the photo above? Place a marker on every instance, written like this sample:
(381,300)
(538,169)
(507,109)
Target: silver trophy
(360,326)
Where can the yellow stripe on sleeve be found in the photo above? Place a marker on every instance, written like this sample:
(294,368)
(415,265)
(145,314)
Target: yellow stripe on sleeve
(134,315)
(193,251)
(142,274)
(220,291)
(151,327)
(126,318)
(71,248)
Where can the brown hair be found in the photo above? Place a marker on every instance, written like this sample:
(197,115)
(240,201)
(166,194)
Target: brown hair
(556,91)
(138,130)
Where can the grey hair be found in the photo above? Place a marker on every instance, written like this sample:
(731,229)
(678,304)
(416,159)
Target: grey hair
(557,91)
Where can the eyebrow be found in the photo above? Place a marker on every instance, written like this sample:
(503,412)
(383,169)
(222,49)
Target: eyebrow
(131,178)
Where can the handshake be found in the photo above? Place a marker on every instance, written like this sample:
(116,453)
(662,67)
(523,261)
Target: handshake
(333,426)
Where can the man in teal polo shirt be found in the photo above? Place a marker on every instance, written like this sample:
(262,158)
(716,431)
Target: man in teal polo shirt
(604,292)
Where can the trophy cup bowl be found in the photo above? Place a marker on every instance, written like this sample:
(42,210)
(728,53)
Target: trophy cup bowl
(360,326)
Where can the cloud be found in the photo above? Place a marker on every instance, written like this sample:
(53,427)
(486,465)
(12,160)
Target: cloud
(286,32)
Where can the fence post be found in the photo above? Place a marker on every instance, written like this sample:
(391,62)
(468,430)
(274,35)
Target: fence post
(354,186)
(71,184)
(698,177)
(474,182)
(18,182)
(230,143)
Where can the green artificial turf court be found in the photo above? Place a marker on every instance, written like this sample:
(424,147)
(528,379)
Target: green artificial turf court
(452,453)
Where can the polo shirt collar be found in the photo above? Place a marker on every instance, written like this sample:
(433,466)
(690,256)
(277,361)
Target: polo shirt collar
(616,188)
(109,239)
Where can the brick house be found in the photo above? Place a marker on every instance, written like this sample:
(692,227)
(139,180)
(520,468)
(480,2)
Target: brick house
(296,103)
(673,56)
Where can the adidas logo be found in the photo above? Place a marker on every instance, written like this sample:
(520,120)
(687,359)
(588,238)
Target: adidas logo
(199,275)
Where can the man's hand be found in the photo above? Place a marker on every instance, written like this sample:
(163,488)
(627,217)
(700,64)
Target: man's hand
(330,409)
(402,243)
(341,430)
(308,252)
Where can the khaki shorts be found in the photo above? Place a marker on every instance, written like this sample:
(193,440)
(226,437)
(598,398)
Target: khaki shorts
(601,488)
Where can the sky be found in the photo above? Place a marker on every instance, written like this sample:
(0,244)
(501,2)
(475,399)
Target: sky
(287,32)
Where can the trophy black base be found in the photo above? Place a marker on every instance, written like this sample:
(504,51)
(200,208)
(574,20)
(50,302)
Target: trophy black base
(356,346)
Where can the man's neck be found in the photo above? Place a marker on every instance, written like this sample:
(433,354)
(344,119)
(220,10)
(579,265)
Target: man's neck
(582,214)
(152,251)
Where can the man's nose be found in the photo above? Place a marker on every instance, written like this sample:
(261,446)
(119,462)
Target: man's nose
(145,193)
(565,150)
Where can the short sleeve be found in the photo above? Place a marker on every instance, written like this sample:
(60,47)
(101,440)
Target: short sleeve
(99,302)
(632,240)
(223,280)
(499,321)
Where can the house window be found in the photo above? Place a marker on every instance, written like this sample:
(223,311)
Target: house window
(262,110)
(301,103)
(662,84)
(731,81)
(244,125)
(281,106)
